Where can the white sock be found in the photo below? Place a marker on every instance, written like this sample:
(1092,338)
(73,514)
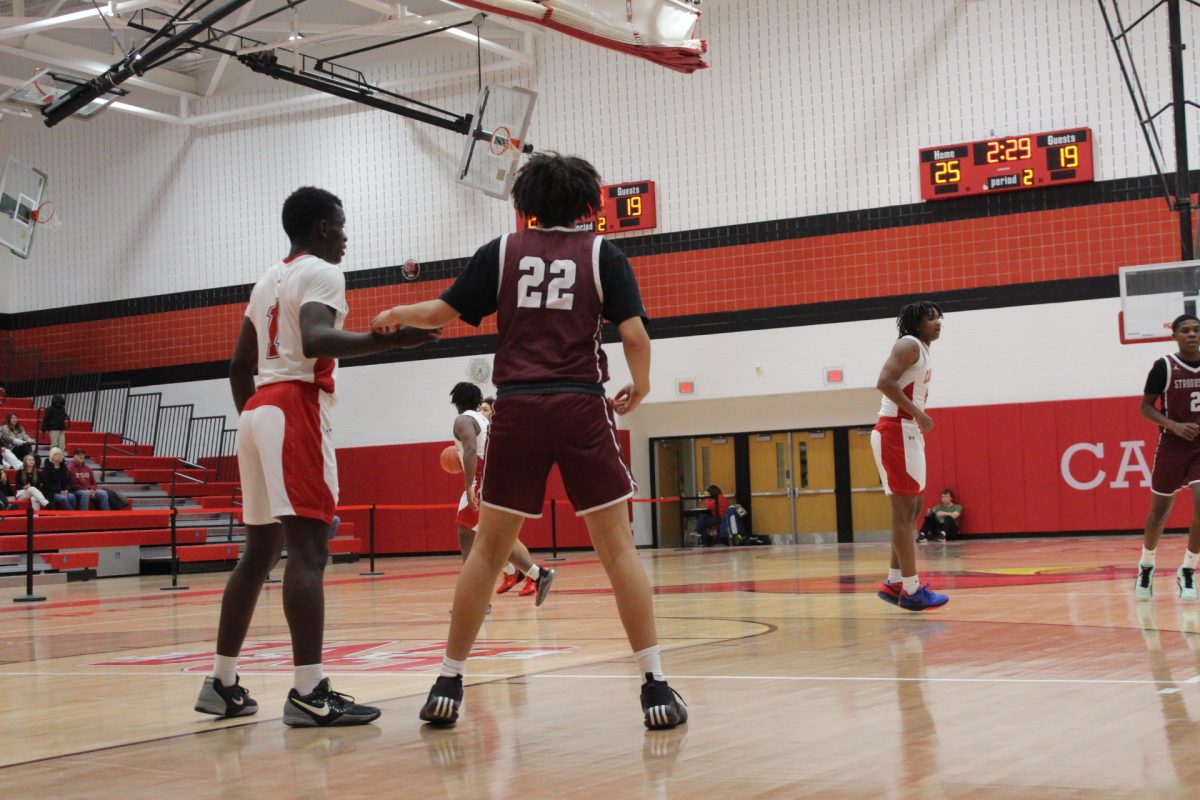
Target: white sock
(452,668)
(1147,557)
(893,576)
(534,571)
(650,660)
(307,677)
(225,669)
(911,584)
(1190,559)
(509,569)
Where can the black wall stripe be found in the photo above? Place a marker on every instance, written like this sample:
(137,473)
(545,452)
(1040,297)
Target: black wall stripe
(704,324)
(870,219)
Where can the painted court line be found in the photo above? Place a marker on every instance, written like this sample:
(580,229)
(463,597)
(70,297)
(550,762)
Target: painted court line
(560,676)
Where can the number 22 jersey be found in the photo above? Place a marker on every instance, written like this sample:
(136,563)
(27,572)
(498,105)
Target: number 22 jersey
(551,289)
(1177,382)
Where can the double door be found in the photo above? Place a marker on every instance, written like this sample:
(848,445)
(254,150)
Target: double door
(793,484)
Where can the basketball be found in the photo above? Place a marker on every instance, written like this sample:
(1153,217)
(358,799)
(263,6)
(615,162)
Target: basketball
(451,461)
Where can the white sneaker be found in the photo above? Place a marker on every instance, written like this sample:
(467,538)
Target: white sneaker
(1185,579)
(1144,585)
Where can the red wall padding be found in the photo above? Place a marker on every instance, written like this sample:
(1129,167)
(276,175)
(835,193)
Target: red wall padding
(1005,463)
(410,474)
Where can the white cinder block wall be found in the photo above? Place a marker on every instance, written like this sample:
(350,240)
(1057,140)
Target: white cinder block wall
(808,108)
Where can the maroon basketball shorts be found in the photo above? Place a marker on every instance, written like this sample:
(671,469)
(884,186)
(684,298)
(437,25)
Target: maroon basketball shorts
(531,433)
(1176,464)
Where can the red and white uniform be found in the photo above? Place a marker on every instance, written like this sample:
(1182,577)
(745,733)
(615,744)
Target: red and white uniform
(896,440)
(469,517)
(285,443)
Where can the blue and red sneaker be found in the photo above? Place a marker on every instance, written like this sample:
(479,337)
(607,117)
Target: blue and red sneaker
(922,599)
(890,592)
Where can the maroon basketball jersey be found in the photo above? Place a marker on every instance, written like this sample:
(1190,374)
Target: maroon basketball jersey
(549,308)
(1181,396)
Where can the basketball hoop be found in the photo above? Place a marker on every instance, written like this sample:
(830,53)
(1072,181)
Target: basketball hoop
(44,213)
(502,142)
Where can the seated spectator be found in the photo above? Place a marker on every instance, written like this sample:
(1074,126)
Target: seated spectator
(488,407)
(29,484)
(6,491)
(83,484)
(14,438)
(56,480)
(55,421)
(716,505)
(941,522)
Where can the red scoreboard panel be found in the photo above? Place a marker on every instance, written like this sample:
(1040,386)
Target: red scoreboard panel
(625,207)
(1007,164)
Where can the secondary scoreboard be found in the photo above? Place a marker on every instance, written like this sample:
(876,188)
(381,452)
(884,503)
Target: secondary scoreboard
(624,207)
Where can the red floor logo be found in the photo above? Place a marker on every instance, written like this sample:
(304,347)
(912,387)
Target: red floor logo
(341,656)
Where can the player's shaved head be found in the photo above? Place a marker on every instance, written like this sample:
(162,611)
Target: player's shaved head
(307,206)
(1182,318)
(558,190)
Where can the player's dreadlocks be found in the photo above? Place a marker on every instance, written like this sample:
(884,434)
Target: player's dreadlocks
(909,320)
(558,190)
(466,396)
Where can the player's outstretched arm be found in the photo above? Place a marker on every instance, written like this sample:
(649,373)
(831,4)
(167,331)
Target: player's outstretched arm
(904,354)
(430,314)
(321,339)
(242,364)
(636,343)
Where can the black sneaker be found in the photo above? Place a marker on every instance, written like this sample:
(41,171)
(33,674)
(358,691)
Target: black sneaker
(441,707)
(921,537)
(325,707)
(225,701)
(662,705)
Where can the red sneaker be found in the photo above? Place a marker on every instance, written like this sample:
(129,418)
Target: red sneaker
(890,592)
(508,581)
(529,588)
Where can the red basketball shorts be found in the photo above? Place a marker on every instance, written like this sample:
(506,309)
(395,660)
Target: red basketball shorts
(1176,464)
(532,433)
(469,517)
(899,448)
(285,454)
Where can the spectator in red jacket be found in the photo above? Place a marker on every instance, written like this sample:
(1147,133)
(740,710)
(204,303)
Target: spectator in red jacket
(715,507)
(83,484)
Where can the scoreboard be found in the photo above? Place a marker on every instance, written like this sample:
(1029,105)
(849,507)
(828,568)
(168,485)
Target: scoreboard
(624,207)
(1010,163)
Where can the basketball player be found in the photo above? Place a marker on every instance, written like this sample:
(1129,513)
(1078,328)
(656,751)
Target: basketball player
(470,432)
(1175,380)
(552,287)
(898,441)
(292,334)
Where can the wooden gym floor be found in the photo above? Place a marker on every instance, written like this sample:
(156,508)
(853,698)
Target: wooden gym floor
(1042,679)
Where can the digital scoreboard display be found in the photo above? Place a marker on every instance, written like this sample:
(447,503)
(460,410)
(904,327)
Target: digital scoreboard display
(1007,164)
(624,207)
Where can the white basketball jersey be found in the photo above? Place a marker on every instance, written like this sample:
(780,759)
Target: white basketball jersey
(915,383)
(274,309)
(481,437)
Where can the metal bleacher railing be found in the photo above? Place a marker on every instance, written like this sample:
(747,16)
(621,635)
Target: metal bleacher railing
(131,420)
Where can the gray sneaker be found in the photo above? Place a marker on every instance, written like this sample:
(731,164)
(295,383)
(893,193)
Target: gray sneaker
(1186,580)
(225,701)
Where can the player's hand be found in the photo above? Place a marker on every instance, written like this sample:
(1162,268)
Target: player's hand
(924,422)
(1187,430)
(385,322)
(627,399)
(408,337)
(472,497)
